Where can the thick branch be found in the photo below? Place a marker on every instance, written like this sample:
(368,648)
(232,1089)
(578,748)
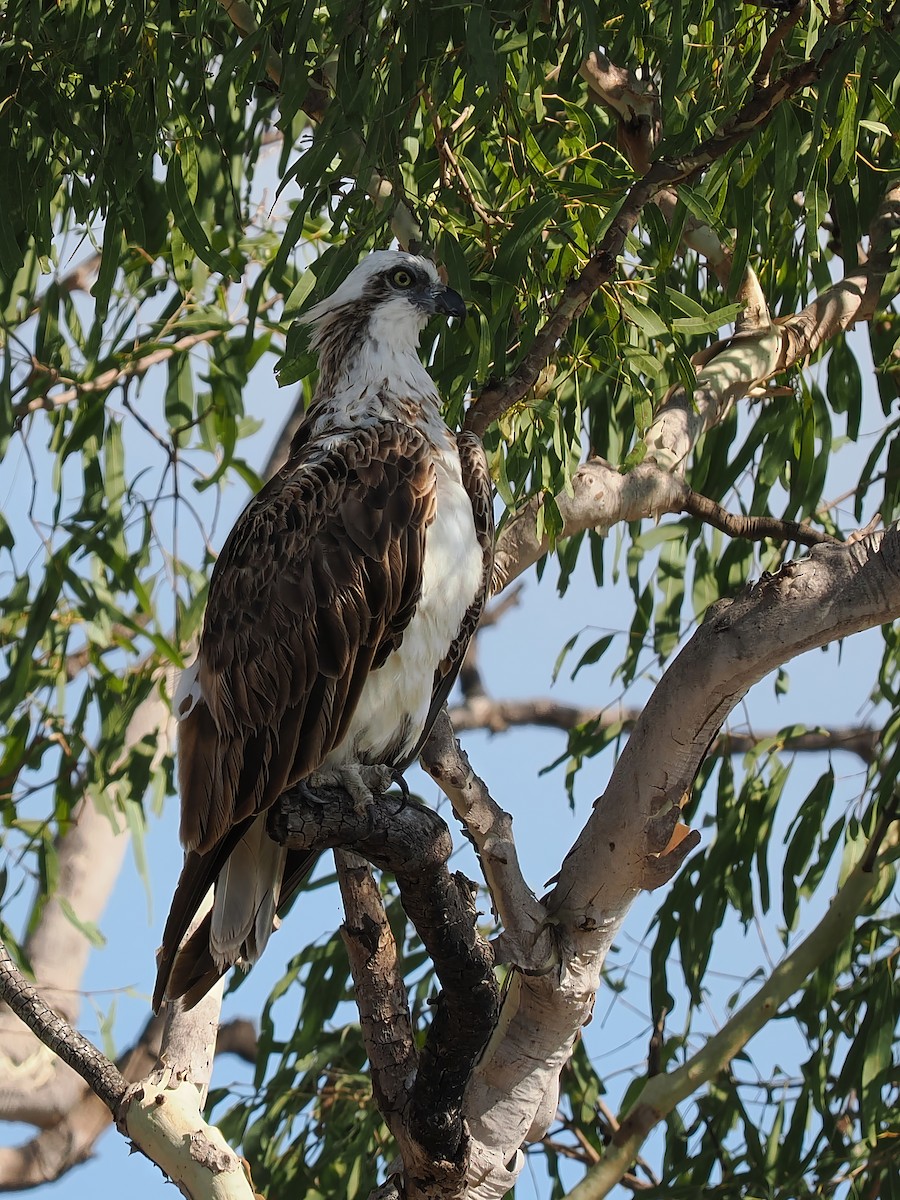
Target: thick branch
(836,591)
(381,997)
(600,497)
(415,844)
(663,1092)
(854,298)
(626,844)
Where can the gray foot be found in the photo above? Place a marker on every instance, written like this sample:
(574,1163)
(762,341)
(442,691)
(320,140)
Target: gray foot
(362,781)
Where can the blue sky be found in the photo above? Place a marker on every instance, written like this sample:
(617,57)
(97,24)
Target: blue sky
(517,658)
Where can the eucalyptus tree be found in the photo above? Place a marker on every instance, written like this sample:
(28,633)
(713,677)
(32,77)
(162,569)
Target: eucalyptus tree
(665,218)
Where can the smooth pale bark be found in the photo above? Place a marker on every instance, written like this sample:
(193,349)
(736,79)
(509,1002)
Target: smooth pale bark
(36,1087)
(627,844)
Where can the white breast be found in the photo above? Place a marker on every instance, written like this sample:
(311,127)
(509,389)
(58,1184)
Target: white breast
(400,691)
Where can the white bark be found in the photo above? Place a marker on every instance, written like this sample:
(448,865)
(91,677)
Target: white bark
(625,846)
(35,1086)
(163,1117)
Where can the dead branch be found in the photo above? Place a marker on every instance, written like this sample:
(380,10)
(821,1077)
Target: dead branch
(415,844)
(381,996)
(135,367)
(739,525)
(498,716)
(104,1078)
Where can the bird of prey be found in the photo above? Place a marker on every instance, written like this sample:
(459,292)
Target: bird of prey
(338,614)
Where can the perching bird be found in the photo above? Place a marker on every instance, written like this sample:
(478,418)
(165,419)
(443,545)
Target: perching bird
(338,614)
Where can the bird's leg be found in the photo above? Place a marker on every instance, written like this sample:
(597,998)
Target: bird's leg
(363,781)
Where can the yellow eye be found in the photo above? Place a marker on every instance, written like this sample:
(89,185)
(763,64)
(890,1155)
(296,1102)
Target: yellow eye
(402,278)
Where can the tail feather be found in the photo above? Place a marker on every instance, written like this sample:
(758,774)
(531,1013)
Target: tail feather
(205,808)
(193,972)
(187,973)
(247,893)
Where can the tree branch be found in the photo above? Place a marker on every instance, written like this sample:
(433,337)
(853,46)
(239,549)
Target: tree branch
(381,996)
(635,104)
(39,1089)
(739,525)
(835,591)
(627,843)
(853,298)
(163,1122)
(135,367)
(415,844)
(498,716)
(497,397)
(103,1077)
(729,369)
(489,828)
(662,1093)
(71,1141)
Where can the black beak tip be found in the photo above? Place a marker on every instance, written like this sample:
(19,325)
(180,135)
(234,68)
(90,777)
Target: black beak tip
(451,303)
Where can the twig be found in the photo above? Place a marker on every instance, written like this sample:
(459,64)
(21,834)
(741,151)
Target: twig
(104,381)
(103,1077)
(752,528)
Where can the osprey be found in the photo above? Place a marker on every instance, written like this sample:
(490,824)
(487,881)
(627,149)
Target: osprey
(338,614)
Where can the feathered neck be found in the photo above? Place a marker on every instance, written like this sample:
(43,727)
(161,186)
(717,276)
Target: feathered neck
(362,348)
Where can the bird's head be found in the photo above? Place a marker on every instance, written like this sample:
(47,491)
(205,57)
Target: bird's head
(391,294)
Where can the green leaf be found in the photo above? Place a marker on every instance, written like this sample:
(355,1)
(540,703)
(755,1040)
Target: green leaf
(642,316)
(88,928)
(189,226)
(518,242)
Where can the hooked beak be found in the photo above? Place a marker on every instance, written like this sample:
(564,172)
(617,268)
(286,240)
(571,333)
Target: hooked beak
(450,303)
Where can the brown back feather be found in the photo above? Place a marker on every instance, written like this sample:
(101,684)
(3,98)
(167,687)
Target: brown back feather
(314,588)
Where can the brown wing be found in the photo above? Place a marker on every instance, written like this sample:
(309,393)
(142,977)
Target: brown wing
(313,589)
(476,479)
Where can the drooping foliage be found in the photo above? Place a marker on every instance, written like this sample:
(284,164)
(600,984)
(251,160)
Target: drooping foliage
(174,183)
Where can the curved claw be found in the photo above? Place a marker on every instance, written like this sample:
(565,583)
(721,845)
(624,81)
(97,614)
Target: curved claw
(397,777)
